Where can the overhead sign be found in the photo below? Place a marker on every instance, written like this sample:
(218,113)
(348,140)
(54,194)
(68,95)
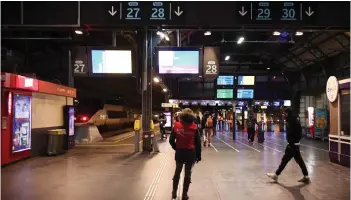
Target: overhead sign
(332,88)
(166,105)
(148,13)
(211,62)
(80,61)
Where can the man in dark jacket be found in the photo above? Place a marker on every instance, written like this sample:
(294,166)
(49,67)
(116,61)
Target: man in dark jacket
(185,140)
(294,135)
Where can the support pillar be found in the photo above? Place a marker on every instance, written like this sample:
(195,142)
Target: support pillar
(70,70)
(234,121)
(146,96)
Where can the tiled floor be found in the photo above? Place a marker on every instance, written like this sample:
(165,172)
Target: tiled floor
(229,170)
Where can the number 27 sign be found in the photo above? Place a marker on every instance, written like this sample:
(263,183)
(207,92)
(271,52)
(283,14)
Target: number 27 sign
(211,62)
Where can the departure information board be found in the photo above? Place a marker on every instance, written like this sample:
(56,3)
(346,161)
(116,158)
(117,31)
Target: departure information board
(225,80)
(224,93)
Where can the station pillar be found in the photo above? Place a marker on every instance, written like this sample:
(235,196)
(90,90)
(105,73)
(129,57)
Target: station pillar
(146,96)
(234,121)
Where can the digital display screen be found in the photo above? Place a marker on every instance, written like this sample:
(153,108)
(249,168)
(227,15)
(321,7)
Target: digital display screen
(178,62)
(245,94)
(21,129)
(276,103)
(71,121)
(224,93)
(111,61)
(225,80)
(246,80)
(168,119)
(287,103)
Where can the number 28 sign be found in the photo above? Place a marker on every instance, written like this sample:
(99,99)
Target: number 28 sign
(211,62)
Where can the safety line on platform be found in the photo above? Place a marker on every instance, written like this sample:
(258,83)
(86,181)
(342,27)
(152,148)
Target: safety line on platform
(213,147)
(228,144)
(154,184)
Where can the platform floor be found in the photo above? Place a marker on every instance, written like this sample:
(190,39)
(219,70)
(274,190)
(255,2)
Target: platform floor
(108,170)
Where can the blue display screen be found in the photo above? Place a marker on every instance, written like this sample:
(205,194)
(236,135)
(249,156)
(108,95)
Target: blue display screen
(225,80)
(245,94)
(178,62)
(111,61)
(246,80)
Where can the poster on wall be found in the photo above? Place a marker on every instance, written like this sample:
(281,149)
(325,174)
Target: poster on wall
(21,129)
(321,121)
(71,121)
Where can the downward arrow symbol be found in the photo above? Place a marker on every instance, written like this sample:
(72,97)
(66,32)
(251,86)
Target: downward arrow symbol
(242,12)
(112,11)
(178,12)
(310,12)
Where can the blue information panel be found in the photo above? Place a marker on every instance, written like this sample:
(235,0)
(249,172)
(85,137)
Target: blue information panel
(225,80)
(245,94)
(224,93)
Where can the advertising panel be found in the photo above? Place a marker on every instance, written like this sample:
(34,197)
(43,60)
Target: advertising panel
(168,119)
(21,129)
(71,121)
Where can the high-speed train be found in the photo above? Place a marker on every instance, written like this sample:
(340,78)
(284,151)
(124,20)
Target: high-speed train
(106,117)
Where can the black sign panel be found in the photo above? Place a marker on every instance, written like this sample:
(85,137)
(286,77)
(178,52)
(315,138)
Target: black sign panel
(211,62)
(80,61)
(147,13)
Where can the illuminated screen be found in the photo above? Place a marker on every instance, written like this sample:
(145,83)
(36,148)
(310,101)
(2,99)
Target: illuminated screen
(71,121)
(287,103)
(245,94)
(178,62)
(168,119)
(225,80)
(224,93)
(276,103)
(246,80)
(111,61)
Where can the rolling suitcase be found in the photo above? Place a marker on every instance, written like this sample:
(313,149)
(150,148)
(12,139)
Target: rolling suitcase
(260,136)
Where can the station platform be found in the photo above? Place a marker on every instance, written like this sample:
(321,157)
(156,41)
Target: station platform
(109,170)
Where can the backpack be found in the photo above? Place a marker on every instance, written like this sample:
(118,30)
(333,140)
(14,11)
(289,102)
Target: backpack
(209,122)
(250,123)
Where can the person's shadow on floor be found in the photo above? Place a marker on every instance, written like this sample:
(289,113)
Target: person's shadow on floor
(294,190)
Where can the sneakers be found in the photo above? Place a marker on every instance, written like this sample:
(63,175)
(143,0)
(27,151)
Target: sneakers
(305,180)
(273,176)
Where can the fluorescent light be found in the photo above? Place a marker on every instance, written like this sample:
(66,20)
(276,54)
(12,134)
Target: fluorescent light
(207,33)
(164,90)
(298,33)
(79,32)
(241,40)
(166,37)
(227,58)
(156,80)
(268,68)
(200,76)
(276,33)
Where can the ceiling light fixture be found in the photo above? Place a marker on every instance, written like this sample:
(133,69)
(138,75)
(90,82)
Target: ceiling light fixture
(268,68)
(298,33)
(207,33)
(156,80)
(276,33)
(227,58)
(241,40)
(164,90)
(78,32)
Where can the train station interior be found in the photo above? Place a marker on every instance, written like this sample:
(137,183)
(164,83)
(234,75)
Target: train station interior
(105,100)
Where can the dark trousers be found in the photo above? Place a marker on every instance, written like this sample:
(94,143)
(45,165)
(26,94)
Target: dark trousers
(251,134)
(178,170)
(292,151)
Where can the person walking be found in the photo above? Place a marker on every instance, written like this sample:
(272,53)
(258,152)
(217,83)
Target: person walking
(250,123)
(294,135)
(185,140)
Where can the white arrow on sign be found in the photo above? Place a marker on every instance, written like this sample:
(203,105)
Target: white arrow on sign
(242,12)
(310,12)
(112,11)
(178,12)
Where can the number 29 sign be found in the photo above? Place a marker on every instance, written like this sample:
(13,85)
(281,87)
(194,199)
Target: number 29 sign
(211,62)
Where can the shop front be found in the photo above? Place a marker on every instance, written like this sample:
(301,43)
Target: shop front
(338,93)
(18,113)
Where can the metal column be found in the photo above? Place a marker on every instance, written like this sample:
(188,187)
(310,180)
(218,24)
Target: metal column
(146,97)
(70,70)
(234,121)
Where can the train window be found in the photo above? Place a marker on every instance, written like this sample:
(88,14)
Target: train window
(116,114)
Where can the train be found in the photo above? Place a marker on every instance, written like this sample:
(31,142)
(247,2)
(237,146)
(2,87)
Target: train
(105,116)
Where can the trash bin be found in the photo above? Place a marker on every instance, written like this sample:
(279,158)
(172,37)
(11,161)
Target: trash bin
(55,141)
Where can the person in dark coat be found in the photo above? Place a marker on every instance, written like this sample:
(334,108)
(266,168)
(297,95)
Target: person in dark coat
(294,135)
(185,140)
